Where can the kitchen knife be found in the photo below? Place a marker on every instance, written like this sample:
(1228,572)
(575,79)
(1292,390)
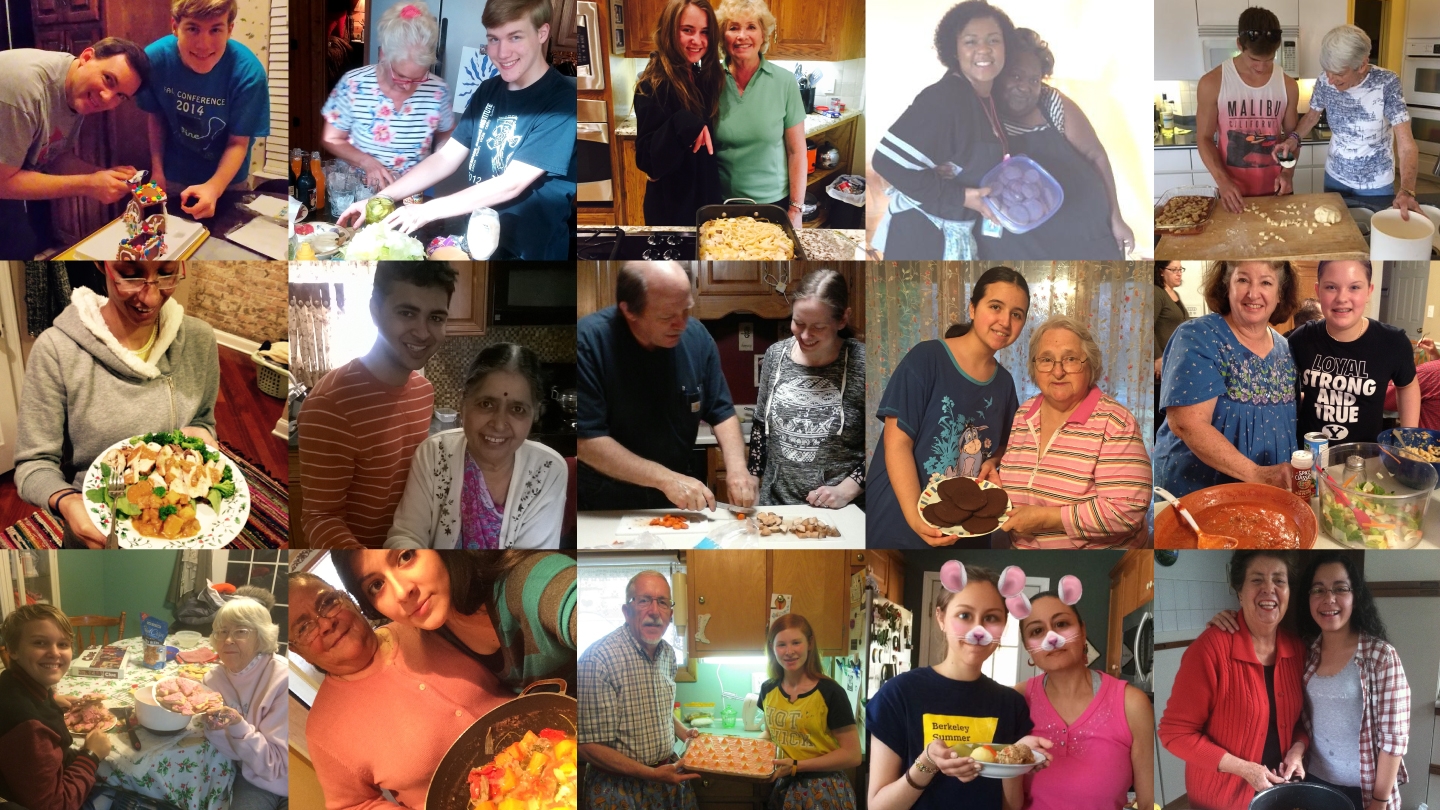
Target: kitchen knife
(744,510)
(127,718)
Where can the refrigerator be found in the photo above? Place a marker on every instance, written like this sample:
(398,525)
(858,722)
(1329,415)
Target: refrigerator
(881,639)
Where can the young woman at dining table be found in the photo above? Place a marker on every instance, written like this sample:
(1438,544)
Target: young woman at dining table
(808,443)
(933,215)
(1106,721)
(1355,685)
(1228,384)
(1346,361)
(807,714)
(38,768)
(1234,715)
(677,101)
(113,366)
(511,611)
(947,410)
(916,715)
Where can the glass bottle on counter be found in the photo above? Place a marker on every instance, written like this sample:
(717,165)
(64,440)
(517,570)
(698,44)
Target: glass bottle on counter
(318,170)
(305,187)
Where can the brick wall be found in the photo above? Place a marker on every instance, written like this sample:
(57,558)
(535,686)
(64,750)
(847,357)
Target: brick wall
(243,298)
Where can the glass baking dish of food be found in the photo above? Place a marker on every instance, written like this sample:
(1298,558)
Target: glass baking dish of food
(1196,220)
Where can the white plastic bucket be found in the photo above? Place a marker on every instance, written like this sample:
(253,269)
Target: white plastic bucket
(1395,239)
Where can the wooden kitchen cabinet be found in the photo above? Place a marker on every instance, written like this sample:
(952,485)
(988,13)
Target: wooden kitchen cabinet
(1132,584)
(888,569)
(824,30)
(631,203)
(468,311)
(816,582)
(735,586)
(731,587)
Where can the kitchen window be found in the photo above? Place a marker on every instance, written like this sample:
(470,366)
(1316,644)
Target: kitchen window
(269,571)
(601,587)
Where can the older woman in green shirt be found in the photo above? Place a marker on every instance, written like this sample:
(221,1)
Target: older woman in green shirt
(760,136)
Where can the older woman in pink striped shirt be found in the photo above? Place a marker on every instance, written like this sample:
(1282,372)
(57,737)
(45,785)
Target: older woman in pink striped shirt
(1076,468)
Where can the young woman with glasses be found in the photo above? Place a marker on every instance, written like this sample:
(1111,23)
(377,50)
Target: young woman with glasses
(511,611)
(112,367)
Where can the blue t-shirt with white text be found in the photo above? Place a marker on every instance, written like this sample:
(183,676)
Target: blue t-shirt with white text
(202,111)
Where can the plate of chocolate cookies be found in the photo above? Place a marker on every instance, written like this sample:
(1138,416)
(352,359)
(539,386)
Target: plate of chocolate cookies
(964,507)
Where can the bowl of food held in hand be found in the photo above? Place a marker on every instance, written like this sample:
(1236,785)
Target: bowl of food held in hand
(521,754)
(1023,196)
(1001,761)
(1374,495)
(1251,515)
(963,507)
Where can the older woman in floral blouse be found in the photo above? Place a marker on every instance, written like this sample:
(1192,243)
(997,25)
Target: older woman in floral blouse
(1076,468)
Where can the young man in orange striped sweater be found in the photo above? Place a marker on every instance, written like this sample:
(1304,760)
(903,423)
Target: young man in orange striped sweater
(360,426)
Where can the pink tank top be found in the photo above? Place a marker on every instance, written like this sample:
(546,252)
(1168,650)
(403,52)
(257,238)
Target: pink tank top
(1091,757)
(1250,117)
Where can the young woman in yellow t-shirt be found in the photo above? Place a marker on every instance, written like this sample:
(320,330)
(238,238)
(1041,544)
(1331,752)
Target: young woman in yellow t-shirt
(808,715)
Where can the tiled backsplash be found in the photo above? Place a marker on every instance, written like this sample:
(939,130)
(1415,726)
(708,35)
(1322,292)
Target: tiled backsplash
(844,79)
(446,370)
(1189,593)
(1184,94)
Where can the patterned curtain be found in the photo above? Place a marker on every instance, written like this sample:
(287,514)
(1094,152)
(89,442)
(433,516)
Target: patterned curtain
(907,302)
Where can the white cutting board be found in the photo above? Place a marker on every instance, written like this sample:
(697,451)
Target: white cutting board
(180,234)
(700,525)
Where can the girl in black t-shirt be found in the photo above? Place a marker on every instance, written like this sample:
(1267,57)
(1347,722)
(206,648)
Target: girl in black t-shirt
(1344,362)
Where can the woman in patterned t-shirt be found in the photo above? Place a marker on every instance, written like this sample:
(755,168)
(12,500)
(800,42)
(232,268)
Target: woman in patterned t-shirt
(808,443)
(387,117)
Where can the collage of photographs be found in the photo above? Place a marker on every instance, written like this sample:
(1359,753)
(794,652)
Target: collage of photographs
(800,433)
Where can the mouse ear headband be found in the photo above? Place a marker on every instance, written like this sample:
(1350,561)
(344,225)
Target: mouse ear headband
(1012,588)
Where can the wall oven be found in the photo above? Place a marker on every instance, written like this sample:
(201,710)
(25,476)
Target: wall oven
(592,147)
(1420,76)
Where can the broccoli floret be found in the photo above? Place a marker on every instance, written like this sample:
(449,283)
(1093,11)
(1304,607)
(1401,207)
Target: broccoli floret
(159,492)
(226,488)
(167,510)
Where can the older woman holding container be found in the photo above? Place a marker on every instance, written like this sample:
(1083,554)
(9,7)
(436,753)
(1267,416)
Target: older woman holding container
(1365,107)
(253,727)
(760,135)
(1235,714)
(387,117)
(1076,468)
(1228,384)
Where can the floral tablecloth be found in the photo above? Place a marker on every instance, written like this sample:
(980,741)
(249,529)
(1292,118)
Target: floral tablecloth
(183,769)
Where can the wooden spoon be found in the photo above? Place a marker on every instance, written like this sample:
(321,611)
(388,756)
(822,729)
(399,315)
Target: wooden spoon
(1202,540)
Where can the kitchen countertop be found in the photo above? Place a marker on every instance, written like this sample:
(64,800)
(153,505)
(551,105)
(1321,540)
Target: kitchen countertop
(1237,236)
(814,123)
(1187,140)
(820,244)
(597,530)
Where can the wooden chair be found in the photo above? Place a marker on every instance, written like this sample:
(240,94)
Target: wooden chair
(91,623)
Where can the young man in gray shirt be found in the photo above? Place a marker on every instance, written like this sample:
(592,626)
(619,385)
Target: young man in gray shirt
(44,97)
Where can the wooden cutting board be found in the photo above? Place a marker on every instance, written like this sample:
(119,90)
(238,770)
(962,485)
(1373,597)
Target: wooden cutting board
(1239,236)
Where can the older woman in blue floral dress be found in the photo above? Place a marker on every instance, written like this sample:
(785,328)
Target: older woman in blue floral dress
(1228,384)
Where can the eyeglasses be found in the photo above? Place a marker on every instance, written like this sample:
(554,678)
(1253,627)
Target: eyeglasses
(406,80)
(1265,34)
(644,603)
(165,282)
(239,634)
(326,605)
(1338,591)
(1070,364)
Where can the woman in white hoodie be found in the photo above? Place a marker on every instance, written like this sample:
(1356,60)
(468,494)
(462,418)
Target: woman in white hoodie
(111,367)
(253,727)
(485,485)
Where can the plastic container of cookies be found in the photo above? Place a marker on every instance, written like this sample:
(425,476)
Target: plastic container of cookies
(1211,193)
(1023,196)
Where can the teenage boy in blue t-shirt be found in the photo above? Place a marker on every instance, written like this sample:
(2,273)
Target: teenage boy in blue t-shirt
(207,101)
(516,140)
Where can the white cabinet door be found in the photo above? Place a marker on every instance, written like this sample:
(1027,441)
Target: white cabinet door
(1320,17)
(1422,20)
(1202,179)
(1317,180)
(1287,10)
(1177,46)
(1172,160)
(1219,12)
(1302,181)
(1165,182)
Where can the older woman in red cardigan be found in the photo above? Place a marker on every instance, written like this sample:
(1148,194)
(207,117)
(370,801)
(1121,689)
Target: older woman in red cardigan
(1234,713)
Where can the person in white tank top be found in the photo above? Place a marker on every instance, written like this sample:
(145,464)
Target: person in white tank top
(1250,104)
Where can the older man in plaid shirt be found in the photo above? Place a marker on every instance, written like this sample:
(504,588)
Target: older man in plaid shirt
(627,691)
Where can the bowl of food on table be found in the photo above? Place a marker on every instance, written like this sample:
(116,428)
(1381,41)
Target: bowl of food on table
(1374,495)
(1239,516)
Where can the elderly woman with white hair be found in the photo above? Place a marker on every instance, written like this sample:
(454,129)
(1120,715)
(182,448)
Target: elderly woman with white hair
(387,117)
(1365,106)
(1076,467)
(252,727)
(760,135)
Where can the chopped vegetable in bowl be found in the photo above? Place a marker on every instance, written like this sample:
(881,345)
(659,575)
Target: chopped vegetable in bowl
(1376,502)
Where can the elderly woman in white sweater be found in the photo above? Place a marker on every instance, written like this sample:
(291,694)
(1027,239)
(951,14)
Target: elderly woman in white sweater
(484,485)
(253,727)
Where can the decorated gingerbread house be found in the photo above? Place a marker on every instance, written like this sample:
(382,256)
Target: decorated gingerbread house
(144,221)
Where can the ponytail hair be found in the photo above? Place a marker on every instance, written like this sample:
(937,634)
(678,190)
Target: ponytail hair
(997,274)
